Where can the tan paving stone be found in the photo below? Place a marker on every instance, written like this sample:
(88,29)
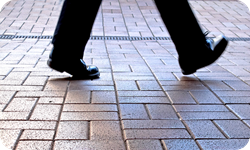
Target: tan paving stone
(106,97)
(14,116)
(8,138)
(28,125)
(6,96)
(89,116)
(46,112)
(89,107)
(39,145)
(37,135)
(69,130)
(111,130)
(119,144)
(21,104)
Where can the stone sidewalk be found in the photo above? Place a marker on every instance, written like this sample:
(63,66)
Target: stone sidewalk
(141,101)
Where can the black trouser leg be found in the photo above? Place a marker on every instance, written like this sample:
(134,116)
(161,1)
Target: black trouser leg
(182,26)
(73,28)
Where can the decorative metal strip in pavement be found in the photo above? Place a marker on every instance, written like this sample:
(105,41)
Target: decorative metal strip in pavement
(122,38)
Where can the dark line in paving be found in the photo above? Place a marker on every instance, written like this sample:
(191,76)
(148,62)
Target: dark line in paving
(122,38)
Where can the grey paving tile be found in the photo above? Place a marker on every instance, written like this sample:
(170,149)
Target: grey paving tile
(8,138)
(144,144)
(152,124)
(73,130)
(204,130)
(241,111)
(156,134)
(161,111)
(118,144)
(181,144)
(234,128)
(223,144)
(206,115)
(143,100)
(105,130)
(87,116)
(133,111)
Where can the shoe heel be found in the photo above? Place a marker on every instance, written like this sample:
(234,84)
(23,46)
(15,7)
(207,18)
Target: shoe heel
(53,66)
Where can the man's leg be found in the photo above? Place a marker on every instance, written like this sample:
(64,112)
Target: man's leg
(194,50)
(74,27)
(72,33)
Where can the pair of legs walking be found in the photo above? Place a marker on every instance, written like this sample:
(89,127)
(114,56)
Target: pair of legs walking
(76,20)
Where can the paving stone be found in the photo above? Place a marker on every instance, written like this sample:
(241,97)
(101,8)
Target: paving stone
(223,144)
(104,97)
(205,97)
(152,124)
(156,134)
(234,128)
(149,85)
(39,145)
(160,111)
(89,107)
(181,144)
(54,85)
(148,100)
(140,93)
(38,134)
(241,110)
(105,145)
(35,80)
(112,130)
(77,130)
(238,85)
(28,124)
(180,97)
(144,144)
(21,88)
(78,97)
(8,138)
(133,111)
(21,104)
(207,115)
(235,99)
(52,100)
(126,85)
(14,115)
(86,116)
(204,129)
(201,108)
(5,96)
(232,93)
(91,88)
(46,112)
(41,94)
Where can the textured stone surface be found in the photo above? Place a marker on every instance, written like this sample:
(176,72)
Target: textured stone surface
(141,100)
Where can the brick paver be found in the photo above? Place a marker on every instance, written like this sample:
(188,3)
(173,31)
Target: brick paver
(141,100)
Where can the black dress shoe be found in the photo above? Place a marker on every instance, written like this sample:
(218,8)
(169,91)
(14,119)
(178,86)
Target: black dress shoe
(213,50)
(78,68)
